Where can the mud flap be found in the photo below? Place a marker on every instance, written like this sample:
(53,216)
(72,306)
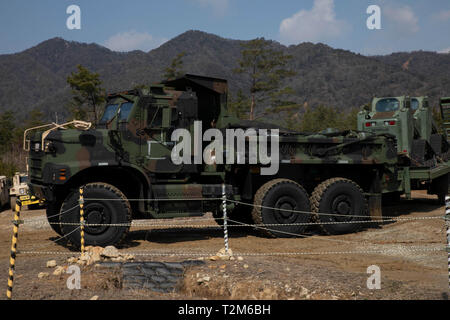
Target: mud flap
(375,209)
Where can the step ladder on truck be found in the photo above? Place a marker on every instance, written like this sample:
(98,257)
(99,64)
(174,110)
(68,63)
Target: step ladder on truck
(445,114)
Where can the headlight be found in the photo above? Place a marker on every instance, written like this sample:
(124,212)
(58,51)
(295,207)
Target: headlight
(37,147)
(49,147)
(22,191)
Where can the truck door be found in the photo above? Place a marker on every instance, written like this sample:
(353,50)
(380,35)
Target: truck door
(157,143)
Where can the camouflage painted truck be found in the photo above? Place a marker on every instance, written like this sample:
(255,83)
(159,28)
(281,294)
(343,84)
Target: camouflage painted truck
(126,169)
(420,146)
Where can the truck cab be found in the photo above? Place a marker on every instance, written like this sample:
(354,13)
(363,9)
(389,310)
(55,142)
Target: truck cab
(392,116)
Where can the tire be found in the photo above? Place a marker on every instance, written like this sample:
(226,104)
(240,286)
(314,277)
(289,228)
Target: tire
(339,196)
(12,203)
(241,213)
(114,211)
(391,198)
(53,209)
(441,198)
(281,194)
(418,152)
(436,141)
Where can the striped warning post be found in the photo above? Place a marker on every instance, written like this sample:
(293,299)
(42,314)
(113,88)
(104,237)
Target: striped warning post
(12,260)
(447,221)
(81,202)
(225,226)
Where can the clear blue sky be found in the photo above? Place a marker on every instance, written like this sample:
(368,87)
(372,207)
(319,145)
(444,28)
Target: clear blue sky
(145,24)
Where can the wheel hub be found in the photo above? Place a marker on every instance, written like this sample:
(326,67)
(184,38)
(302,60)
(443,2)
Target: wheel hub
(96,214)
(342,204)
(284,206)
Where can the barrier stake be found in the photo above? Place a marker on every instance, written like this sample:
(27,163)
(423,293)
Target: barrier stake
(447,222)
(12,260)
(225,227)
(81,201)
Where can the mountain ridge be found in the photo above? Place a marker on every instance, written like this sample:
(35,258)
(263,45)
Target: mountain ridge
(36,77)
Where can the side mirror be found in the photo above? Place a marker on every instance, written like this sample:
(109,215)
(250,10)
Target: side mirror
(365,107)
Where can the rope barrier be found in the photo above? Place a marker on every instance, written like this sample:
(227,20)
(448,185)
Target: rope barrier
(64,212)
(53,241)
(156,199)
(295,253)
(251,205)
(309,212)
(146,224)
(291,234)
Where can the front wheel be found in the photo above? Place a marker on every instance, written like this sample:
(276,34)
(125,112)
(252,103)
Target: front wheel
(107,215)
(12,203)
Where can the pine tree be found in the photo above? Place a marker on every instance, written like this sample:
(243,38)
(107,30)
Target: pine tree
(239,106)
(265,68)
(87,93)
(175,69)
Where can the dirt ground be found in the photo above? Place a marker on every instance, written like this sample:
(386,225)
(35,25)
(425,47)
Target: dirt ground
(322,267)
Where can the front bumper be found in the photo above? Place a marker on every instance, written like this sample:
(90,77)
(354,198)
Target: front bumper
(43,192)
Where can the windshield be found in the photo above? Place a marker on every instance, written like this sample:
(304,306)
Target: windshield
(414,104)
(387,105)
(23,179)
(125,109)
(110,112)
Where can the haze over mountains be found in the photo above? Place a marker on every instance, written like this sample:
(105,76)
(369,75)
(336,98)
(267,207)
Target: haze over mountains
(36,78)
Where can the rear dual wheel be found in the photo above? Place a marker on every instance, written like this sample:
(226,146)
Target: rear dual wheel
(339,204)
(283,205)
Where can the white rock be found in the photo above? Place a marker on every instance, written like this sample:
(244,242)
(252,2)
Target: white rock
(303,291)
(42,275)
(72,260)
(51,264)
(240,258)
(129,257)
(59,271)
(81,262)
(84,256)
(223,252)
(110,252)
(94,298)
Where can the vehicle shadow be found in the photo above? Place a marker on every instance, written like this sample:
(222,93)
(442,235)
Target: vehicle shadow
(176,235)
(187,234)
(405,207)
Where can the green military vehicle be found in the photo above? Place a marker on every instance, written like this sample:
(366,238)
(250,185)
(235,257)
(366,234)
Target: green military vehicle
(445,115)
(127,169)
(419,144)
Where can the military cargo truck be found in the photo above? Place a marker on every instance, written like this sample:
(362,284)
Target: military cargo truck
(127,169)
(19,187)
(445,115)
(419,144)
(410,120)
(4,191)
